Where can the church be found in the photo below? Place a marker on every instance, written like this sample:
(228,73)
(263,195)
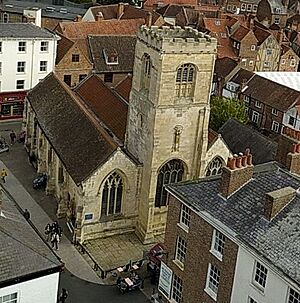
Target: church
(107,158)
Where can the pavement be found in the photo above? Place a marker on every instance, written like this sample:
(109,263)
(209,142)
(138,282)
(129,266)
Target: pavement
(79,278)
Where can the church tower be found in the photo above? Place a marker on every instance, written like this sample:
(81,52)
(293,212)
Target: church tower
(168,115)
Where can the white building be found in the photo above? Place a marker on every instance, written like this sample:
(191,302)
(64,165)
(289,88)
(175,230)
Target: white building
(29,270)
(27,55)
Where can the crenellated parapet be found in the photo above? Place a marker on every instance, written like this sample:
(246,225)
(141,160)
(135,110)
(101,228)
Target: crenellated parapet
(177,39)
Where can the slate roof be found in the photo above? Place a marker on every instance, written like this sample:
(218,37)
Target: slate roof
(24,31)
(241,76)
(69,13)
(109,108)
(278,240)
(79,141)
(22,251)
(278,96)
(80,30)
(239,137)
(123,88)
(124,46)
(224,66)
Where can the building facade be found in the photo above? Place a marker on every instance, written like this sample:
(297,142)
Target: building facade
(27,55)
(225,237)
(168,116)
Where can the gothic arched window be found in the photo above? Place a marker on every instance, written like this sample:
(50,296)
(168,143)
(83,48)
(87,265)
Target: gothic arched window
(171,172)
(146,71)
(112,195)
(214,167)
(185,79)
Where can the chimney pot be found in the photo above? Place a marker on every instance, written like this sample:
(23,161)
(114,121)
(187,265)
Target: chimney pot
(244,161)
(239,162)
(249,159)
(298,148)
(247,151)
(231,163)
(294,148)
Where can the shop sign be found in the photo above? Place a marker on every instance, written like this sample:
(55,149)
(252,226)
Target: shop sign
(165,280)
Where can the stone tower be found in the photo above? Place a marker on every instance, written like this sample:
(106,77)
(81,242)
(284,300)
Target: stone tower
(168,115)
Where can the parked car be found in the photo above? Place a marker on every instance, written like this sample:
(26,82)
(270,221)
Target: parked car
(4,147)
(40,182)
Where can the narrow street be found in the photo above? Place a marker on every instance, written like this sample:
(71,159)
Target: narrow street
(21,174)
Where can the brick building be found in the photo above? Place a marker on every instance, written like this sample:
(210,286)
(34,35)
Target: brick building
(235,238)
(105,47)
(271,109)
(250,43)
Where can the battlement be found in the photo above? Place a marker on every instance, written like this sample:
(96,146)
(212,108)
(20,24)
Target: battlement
(177,39)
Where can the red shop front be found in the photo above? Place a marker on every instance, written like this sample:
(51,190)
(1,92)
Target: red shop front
(12,105)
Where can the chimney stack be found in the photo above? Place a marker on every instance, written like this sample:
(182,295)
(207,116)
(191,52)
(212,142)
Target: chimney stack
(288,150)
(239,171)
(120,10)
(149,19)
(277,200)
(280,36)
(99,16)
(78,18)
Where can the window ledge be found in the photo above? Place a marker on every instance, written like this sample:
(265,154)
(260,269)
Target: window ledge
(258,287)
(212,294)
(182,226)
(179,264)
(216,254)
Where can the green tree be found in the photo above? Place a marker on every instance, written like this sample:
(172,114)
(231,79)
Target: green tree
(224,108)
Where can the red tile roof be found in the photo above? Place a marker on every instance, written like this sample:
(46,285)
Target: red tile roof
(63,45)
(151,3)
(105,104)
(123,88)
(80,30)
(240,33)
(217,28)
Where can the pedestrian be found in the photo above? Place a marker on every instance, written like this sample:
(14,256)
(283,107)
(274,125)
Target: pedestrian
(63,296)
(55,240)
(3,174)
(26,214)
(48,231)
(56,228)
(13,137)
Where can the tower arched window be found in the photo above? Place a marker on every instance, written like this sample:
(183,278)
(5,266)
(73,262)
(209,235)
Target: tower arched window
(185,79)
(171,172)
(214,167)
(112,195)
(146,71)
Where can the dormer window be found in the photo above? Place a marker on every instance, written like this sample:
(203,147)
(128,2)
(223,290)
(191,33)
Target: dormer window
(111,57)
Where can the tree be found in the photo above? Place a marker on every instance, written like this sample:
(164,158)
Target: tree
(224,108)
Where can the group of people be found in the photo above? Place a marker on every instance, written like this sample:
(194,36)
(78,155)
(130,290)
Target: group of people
(53,234)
